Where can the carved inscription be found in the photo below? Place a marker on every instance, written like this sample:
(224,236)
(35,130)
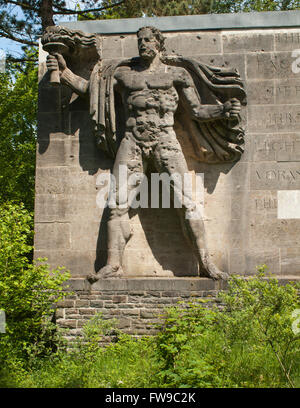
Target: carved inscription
(265,92)
(284,147)
(276,118)
(275,176)
(287,91)
(278,175)
(275,145)
(276,63)
(270,65)
(265,203)
(281,119)
(288,38)
(247,42)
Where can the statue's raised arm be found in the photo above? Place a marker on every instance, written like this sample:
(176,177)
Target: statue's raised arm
(62,43)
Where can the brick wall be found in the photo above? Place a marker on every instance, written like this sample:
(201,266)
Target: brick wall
(137,304)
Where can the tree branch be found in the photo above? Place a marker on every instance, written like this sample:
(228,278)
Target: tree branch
(21,4)
(13,59)
(68,11)
(8,35)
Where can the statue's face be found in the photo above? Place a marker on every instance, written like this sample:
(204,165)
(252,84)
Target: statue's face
(148,44)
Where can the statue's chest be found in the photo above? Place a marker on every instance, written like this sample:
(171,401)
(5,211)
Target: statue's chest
(138,81)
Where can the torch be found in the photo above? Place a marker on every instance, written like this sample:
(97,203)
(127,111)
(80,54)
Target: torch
(55,48)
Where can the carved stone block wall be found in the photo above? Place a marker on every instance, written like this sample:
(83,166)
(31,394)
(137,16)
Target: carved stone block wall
(240,199)
(240,202)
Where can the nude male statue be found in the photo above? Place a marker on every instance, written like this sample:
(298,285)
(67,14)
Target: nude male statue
(150,91)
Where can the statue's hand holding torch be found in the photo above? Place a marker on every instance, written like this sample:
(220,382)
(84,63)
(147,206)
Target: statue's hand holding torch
(56,63)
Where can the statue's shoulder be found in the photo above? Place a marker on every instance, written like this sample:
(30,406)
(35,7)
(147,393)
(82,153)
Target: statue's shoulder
(122,71)
(181,76)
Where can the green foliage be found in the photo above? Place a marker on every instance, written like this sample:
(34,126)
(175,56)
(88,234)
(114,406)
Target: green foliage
(258,5)
(28,292)
(258,318)
(185,348)
(245,342)
(126,363)
(18,110)
(158,8)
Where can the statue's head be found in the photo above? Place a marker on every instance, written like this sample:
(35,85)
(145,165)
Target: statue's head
(150,42)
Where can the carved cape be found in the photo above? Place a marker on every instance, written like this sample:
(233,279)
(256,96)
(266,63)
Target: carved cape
(213,142)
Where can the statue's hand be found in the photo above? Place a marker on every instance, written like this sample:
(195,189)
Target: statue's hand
(56,62)
(232,108)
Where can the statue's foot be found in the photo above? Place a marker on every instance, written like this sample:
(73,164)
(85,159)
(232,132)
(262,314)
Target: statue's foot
(107,272)
(210,270)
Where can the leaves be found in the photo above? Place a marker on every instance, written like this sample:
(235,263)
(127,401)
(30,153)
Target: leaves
(18,109)
(246,342)
(28,290)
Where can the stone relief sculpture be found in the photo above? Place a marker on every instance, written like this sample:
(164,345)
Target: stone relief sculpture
(150,88)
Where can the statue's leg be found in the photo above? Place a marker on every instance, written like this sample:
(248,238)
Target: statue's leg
(169,158)
(128,162)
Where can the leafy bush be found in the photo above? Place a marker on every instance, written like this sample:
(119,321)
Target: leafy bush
(28,291)
(248,342)
(126,363)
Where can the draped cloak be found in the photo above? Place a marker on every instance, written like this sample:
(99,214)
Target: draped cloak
(215,141)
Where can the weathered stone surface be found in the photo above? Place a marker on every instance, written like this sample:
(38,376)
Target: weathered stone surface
(52,180)
(240,199)
(287,40)
(241,42)
(275,147)
(287,91)
(74,261)
(260,92)
(246,263)
(230,61)
(274,234)
(162,284)
(130,47)
(51,235)
(194,44)
(112,47)
(275,176)
(290,263)
(276,119)
(52,209)
(277,65)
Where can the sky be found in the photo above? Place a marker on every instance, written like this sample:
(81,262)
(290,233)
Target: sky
(14,48)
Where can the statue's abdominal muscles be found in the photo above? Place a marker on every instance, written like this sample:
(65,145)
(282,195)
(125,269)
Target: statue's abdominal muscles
(151,111)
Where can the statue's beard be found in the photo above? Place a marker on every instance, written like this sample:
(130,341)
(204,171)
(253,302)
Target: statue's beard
(147,54)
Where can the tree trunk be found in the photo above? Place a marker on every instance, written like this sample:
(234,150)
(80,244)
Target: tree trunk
(46,13)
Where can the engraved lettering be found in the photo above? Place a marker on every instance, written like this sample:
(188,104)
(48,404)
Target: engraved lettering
(286,38)
(265,203)
(281,119)
(278,175)
(271,175)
